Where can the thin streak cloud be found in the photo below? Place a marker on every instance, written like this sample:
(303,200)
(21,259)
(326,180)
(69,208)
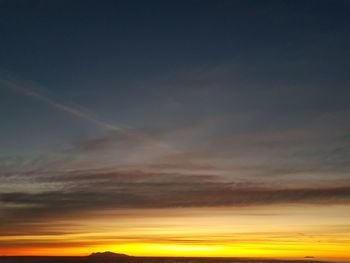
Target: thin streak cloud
(20,88)
(17,86)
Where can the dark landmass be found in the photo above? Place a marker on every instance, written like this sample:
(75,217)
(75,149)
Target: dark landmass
(110,257)
(108,254)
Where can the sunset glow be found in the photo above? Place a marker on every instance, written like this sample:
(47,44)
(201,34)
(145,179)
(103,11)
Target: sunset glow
(283,232)
(177,128)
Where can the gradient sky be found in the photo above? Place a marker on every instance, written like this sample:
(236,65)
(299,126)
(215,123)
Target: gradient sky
(211,128)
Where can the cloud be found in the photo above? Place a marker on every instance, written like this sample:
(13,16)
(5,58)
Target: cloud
(134,189)
(244,159)
(174,194)
(73,182)
(21,88)
(28,89)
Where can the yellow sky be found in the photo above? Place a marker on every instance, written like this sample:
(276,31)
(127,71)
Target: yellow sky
(288,231)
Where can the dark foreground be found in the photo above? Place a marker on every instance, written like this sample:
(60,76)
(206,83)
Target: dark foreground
(31,259)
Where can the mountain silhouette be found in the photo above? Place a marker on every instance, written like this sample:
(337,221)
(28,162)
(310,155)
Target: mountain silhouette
(109,257)
(108,254)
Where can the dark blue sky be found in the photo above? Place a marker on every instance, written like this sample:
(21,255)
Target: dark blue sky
(127,60)
(64,41)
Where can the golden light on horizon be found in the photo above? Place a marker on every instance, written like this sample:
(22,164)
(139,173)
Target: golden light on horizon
(174,250)
(289,232)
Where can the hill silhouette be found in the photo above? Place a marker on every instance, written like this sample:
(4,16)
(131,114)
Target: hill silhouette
(108,254)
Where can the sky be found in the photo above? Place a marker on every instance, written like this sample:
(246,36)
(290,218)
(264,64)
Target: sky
(176,128)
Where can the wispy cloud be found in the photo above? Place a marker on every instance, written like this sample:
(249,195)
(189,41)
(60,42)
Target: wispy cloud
(20,87)
(28,88)
(101,190)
